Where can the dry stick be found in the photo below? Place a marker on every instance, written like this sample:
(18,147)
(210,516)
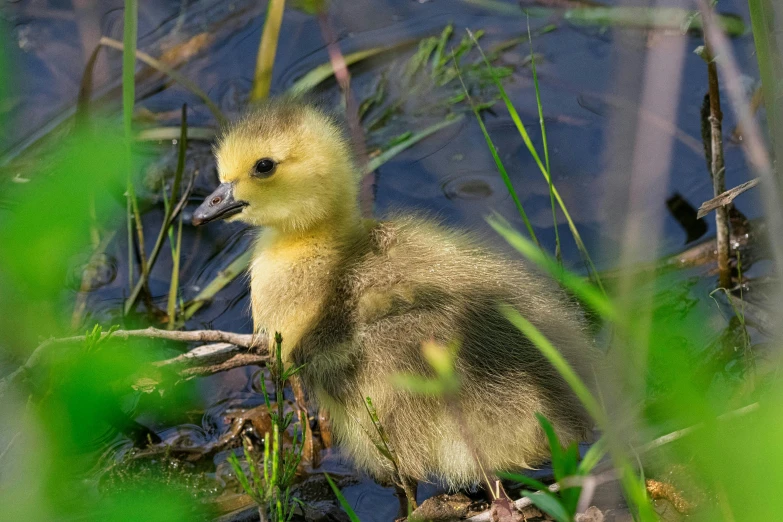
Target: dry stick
(213,358)
(676,435)
(179,78)
(753,144)
(717,167)
(725,198)
(343,77)
(194,336)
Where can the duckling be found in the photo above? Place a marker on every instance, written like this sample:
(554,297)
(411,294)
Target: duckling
(355,299)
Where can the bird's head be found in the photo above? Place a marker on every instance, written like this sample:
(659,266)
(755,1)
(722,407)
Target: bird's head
(285,165)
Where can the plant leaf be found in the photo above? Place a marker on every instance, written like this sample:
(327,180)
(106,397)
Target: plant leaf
(549,504)
(343,502)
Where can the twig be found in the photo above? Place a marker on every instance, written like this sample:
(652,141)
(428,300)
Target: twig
(717,166)
(522,503)
(213,358)
(753,144)
(179,78)
(194,336)
(676,435)
(9,445)
(725,198)
(343,77)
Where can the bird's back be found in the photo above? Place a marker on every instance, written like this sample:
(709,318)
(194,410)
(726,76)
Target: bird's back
(411,281)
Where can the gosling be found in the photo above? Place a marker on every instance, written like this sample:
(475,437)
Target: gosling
(355,300)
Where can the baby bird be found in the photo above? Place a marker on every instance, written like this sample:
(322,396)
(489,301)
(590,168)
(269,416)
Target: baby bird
(356,299)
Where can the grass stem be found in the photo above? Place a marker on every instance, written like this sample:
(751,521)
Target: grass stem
(130,35)
(493,150)
(267,48)
(558,251)
(171,306)
(529,144)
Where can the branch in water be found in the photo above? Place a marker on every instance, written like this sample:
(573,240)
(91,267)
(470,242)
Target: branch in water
(725,198)
(199,361)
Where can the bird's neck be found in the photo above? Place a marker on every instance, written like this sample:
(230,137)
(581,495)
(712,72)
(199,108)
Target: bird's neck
(339,229)
(292,274)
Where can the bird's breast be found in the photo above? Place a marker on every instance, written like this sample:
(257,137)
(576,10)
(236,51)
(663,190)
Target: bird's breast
(288,294)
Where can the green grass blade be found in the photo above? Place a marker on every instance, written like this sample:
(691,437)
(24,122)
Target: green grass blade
(258,485)
(672,18)
(146,266)
(172,133)
(437,59)
(524,479)
(496,157)
(241,477)
(129,35)
(129,233)
(410,141)
(589,401)
(549,504)
(584,290)
(501,8)
(529,144)
(593,456)
(267,48)
(555,448)
(341,498)
(224,277)
(325,71)
(770,59)
(545,144)
(171,306)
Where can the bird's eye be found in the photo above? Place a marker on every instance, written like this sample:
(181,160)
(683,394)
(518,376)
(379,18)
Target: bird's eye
(264,168)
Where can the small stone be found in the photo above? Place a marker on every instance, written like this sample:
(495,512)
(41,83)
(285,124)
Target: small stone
(442,508)
(593,514)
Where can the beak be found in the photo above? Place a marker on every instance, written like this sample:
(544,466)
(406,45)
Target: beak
(218,205)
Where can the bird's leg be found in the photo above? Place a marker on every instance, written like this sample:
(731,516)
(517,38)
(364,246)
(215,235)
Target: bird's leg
(406,494)
(403,499)
(494,489)
(325,427)
(308,451)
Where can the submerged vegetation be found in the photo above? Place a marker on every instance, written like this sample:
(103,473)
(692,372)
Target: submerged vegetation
(687,398)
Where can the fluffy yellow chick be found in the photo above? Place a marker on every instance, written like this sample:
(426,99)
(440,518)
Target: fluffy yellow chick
(356,299)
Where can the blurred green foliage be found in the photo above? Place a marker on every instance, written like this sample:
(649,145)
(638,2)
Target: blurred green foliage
(676,362)
(79,398)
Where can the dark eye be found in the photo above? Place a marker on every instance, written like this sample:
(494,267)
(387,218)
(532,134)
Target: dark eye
(264,168)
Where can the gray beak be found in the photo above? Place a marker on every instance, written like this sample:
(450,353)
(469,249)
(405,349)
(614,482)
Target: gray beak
(218,205)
